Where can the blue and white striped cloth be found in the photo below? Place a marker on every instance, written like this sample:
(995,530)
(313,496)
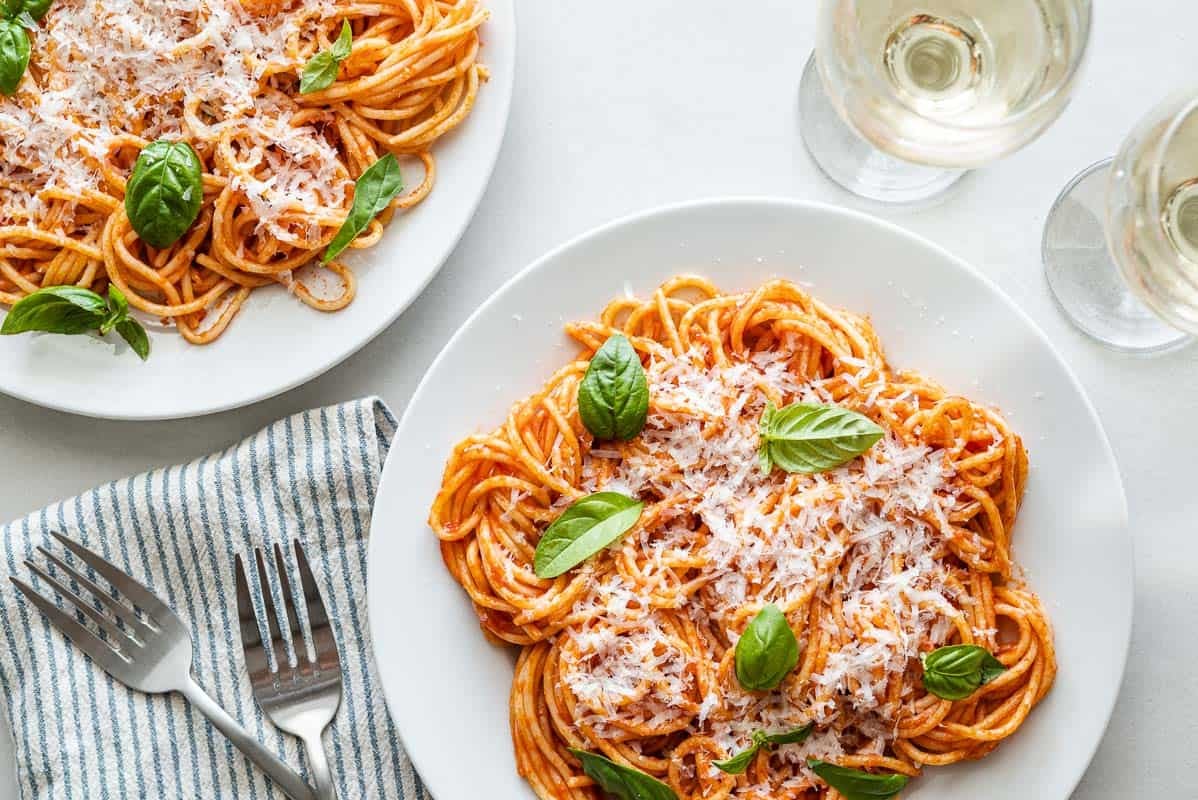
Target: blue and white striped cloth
(80,735)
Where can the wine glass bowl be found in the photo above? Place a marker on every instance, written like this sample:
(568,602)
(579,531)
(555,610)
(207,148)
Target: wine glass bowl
(941,83)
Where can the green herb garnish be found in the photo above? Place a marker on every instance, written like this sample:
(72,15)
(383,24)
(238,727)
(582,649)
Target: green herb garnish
(613,397)
(741,761)
(321,70)
(73,310)
(164,193)
(957,671)
(590,524)
(373,192)
(767,651)
(806,437)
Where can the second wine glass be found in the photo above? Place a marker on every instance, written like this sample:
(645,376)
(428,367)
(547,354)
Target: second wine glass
(900,97)
(1137,290)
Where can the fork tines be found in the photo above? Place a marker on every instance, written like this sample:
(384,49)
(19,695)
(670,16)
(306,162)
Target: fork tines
(117,633)
(270,655)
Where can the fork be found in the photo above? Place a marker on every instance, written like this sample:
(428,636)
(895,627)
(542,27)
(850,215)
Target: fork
(150,653)
(303,698)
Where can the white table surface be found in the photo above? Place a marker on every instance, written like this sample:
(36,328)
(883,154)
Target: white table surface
(625,105)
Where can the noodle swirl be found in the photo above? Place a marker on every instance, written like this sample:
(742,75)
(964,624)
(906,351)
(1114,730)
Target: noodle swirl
(278,166)
(631,654)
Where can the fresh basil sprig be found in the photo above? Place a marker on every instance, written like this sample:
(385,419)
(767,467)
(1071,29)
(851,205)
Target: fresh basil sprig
(767,651)
(957,671)
(14,55)
(36,9)
(165,192)
(321,70)
(808,437)
(620,781)
(613,398)
(857,784)
(73,310)
(741,761)
(18,18)
(373,192)
(590,524)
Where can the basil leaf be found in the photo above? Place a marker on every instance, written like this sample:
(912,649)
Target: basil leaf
(165,192)
(321,70)
(118,309)
(620,781)
(14,55)
(36,9)
(794,736)
(763,450)
(955,672)
(344,44)
(72,310)
(991,668)
(807,437)
(135,335)
(767,651)
(590,524)
(741,761)
(319,73)
(117,302)
(56,309)
(856,784)
(613,398)
(373,192)
(26,21)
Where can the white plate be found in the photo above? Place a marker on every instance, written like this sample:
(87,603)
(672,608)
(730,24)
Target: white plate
(447,687)
(276,342)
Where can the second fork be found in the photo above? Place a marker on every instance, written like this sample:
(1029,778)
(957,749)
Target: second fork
(303,698)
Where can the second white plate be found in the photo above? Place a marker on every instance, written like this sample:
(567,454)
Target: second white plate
(447,687)
(276,342)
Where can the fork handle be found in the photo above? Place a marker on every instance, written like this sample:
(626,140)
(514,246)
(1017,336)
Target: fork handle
(284,776)
(318,762)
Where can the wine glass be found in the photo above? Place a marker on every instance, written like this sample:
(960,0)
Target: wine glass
(1137,289)
(901,96)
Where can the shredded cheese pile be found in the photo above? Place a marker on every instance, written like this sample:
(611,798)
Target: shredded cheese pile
(113,74)
(699,447)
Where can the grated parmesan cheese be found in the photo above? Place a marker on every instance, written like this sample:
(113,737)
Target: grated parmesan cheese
(191,69)
(699,445)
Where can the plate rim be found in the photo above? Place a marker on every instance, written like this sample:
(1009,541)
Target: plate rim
(776,201)
(385,321)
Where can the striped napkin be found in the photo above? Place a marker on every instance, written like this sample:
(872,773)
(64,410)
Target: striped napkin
(80,735)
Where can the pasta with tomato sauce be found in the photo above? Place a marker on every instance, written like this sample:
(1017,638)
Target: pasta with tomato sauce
(631,655)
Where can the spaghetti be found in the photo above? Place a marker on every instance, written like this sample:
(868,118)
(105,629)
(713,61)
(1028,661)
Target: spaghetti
(110,76)
(901,551)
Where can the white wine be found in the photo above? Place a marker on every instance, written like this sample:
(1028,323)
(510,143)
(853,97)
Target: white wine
(1176,144)
(953,83)
(975,61)
(1180,219)
(934,62)
(1152,208)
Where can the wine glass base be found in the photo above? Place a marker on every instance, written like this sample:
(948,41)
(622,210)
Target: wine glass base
(854,163)
(1083,278)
